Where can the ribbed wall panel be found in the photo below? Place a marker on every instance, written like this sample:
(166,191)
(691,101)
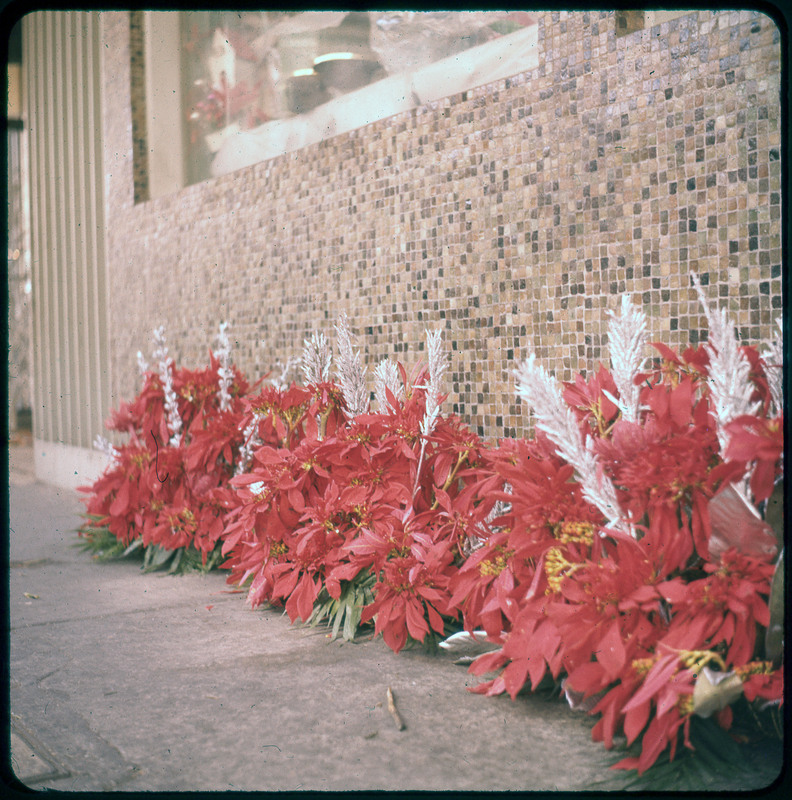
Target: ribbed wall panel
(69,299)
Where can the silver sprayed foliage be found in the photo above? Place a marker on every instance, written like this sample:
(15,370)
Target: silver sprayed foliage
(386,377)
(316,359)
(350,370)
(164,363)
(224,372)
(543,394)
(729,371)
(626,340)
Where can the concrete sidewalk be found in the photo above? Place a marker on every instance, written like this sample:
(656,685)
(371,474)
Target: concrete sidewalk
(131,681)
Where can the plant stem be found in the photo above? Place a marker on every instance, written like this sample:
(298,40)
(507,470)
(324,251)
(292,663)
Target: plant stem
(460,459)
(418,470)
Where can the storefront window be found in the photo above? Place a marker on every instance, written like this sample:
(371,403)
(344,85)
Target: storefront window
(256,84)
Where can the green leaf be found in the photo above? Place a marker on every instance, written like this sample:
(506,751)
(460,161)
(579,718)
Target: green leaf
(323,612)
(774,511)
(176,560)
(774,636)
(102,544)
(137,543)
(156,558)
(337,622)
(321,608)
(350,628)
(215,556)
(343,614)
(717,764)
(354,621)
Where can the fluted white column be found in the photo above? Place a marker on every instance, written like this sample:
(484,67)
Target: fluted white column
(62,107)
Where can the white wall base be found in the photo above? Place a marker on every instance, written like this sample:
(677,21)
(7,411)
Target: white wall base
(65,465)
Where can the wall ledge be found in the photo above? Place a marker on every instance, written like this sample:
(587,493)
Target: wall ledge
(66,466)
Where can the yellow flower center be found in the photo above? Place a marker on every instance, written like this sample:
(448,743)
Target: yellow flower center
(754,668)
(685,704)
(695,660)
(642,665)
(557,568)
(567,532)
(495,565)
(139,459)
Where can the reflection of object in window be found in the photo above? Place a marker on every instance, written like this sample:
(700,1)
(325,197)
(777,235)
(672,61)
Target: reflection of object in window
(346,61)
(344,72)
(304,91)
(406,40)
(290,42)
(238,91)
(503,57)
(272,75)
(221,62)
(246,69)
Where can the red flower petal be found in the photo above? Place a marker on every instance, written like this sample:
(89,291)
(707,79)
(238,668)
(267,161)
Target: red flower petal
(611,653)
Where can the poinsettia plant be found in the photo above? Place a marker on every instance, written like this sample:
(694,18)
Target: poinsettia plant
(163,492)
(623,553)
(633,564)
(347,514)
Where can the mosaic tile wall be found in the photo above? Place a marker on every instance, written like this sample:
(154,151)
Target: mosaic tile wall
(512,215)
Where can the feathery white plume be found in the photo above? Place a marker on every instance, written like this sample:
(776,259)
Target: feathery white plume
(729,370)
(224,373)
(160,353)
(555,418)
(316,359)
(774,367)
(171,400)
(438,365)
(250,441)
(281,383)
(141,362)
(501,506)
(386,376)
(626,339)
(434,391)
(472,542)
(104,446)
(350,370)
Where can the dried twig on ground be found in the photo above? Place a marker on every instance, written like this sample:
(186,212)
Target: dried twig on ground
(394,712)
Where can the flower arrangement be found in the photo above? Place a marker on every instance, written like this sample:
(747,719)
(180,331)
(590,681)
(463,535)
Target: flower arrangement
(164,489)
(216,107)
(339,515)
(632,566)
(208,112)
(621,554)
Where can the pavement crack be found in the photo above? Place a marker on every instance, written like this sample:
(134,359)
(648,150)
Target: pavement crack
(115,614)
(47,675)
(33,562)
